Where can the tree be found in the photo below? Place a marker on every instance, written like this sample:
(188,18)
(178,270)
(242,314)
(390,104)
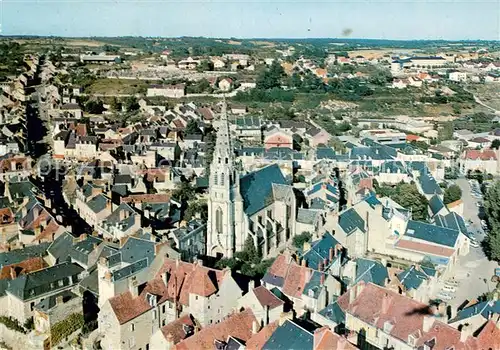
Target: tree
(299,240)
(204,66)
(495,144)
(406,195)
(381,77)
(131,104)
(196,207)
(492,211)
(94,107)
(192,128)
(183,192)
(115,105)
(271,77)
(451,194)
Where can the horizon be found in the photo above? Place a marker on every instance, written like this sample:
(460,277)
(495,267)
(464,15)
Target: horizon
(96,37)
(403,20)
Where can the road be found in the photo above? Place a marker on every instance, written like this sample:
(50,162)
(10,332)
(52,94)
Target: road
(473,271)
(478,101)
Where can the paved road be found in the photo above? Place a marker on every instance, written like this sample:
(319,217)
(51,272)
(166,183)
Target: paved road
(473,271)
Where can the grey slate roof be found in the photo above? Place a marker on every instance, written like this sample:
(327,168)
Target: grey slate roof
(371,271)
(256,187)
(48,303)
(290,336)
(320,250)
(484,309)
(307,216)
(334,313)
(350,220)
(98,203)
(436,204)
(61,246)
(411,278)
(44,281)
(18,255)
(431,233)
(429,185)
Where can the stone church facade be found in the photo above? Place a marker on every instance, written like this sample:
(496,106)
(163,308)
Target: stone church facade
(261,204)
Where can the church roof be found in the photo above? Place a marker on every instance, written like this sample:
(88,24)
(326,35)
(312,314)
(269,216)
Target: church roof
(257,187)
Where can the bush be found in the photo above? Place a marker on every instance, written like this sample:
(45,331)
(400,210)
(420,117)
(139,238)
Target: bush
(65,328)
(12,323)
(299,240)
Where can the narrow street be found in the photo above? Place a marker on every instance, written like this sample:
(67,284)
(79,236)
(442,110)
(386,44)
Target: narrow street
(50,175)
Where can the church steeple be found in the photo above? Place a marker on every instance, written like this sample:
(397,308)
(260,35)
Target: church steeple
(220,226)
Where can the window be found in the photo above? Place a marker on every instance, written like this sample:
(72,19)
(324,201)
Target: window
(131,342)
(163,308)
(218,220)
(163,322)
(32,305)
(154,314)
(222,179)
(132,327)
(215,179)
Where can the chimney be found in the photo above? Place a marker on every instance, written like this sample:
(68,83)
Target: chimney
(464,333)
(352,294)
(307,246)
(386,303)
(108,275)
(170,341)
(322,279)
(284,316)
(13,273)
(83,237)
(255,327)
(59,300)
(330,257)
(304,262)
(320,266)
(427,323)
(251,285)
(199,262)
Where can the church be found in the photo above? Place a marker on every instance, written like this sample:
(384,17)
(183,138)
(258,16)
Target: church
(261,204)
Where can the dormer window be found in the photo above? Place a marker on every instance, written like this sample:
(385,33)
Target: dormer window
(152,299)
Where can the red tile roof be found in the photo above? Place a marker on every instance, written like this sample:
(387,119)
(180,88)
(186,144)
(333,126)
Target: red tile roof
(296,280)
(489,337)
(266,298)
(191,278)
(257,341)
(127,307)
(176,329)
(376,305)
(425,248)
(15,270)
(236,325)
(486,154)
(411,137)
(325,339)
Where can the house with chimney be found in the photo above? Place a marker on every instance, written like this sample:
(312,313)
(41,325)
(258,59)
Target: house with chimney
(140,306)
(382,318)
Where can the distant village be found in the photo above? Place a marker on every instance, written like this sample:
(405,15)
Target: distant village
(205,225)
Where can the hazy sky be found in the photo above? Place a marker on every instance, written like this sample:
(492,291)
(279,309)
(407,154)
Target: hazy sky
(392,19)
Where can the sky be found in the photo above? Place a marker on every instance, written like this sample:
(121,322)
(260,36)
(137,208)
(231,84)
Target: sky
(376,19)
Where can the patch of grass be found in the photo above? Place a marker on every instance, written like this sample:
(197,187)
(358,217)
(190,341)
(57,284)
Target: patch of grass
(118,86)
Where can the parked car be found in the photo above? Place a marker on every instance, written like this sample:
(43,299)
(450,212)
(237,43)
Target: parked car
(445,296)
(450,289)
(452,283)
(474,243)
